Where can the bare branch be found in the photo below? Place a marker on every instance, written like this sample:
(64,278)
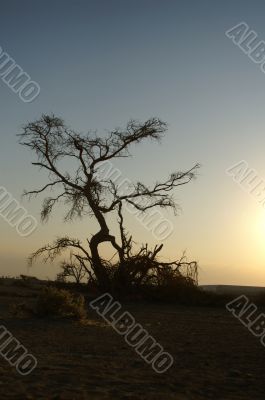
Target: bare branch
(36,192)
(50,251)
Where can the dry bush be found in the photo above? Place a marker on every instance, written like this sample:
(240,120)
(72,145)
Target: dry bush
(175,288)
(60,303)
(145,275)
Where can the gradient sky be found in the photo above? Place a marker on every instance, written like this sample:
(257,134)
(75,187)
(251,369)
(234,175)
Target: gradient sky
(100,63)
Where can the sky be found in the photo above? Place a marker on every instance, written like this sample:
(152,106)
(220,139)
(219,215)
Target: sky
(100,63)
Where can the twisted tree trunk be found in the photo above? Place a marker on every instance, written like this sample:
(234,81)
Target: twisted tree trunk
(101,236)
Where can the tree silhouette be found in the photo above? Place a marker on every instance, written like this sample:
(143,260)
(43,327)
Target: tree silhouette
(84,193)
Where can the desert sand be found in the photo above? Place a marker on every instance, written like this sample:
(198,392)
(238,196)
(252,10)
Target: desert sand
(215,357)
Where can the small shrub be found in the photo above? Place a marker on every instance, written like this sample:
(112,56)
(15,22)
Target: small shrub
(60,303)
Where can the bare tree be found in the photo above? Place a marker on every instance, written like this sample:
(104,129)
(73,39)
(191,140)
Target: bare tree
(73,269)
(85,194)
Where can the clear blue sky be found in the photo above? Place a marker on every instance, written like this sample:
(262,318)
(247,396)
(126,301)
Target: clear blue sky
(100,63)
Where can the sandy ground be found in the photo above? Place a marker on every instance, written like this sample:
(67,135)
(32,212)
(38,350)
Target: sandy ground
(215,357)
